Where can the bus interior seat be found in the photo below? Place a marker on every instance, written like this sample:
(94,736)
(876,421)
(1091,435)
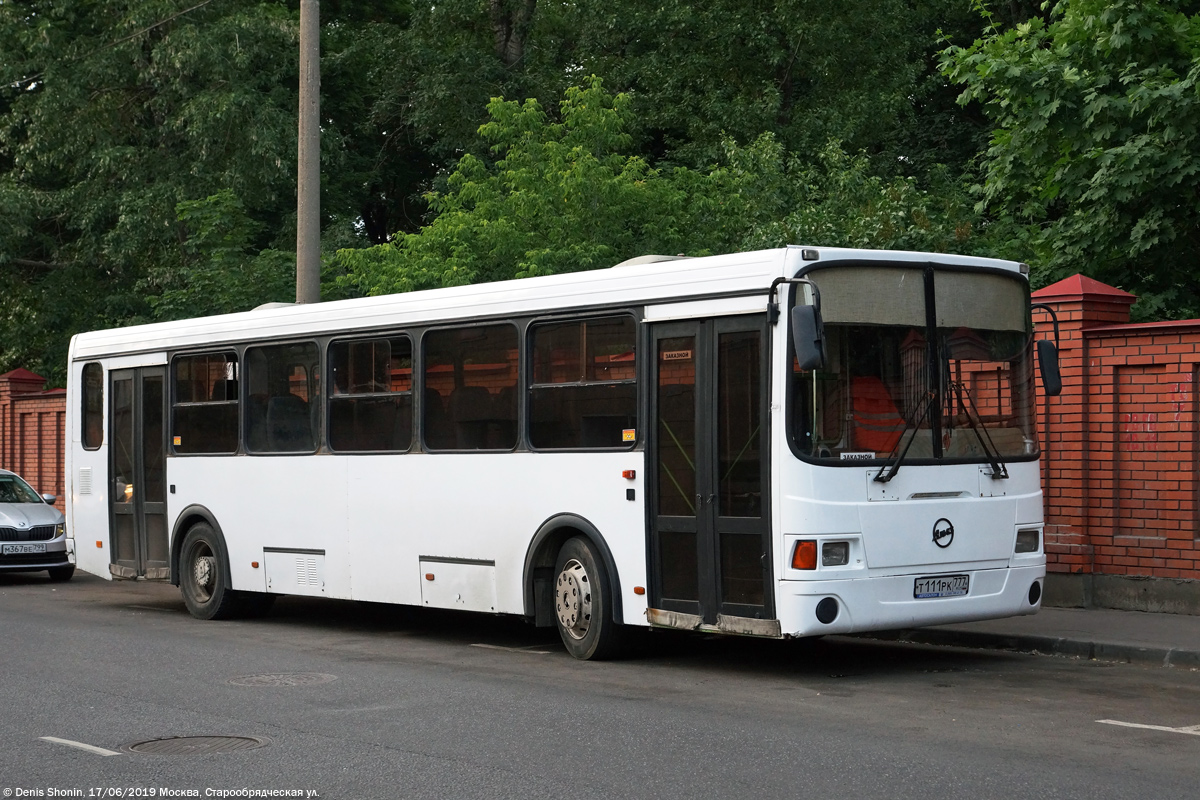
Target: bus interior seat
(402,426)
(256,422)
(470,410)
(605,412)
(289,427)
(375,423)
(437,430)
(342,428)
(502,432)
(224,389)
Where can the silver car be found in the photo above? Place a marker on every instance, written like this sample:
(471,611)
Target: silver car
(32,531)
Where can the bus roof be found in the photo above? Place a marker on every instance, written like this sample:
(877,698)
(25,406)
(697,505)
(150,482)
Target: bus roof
(648,281)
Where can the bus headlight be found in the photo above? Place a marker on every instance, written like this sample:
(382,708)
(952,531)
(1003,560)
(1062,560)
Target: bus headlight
(1028,540)
(835,554)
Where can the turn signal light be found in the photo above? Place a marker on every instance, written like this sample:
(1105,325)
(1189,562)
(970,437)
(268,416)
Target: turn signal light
(428,576)
(254,564)
(628,473)
(99,544)
(805,554)
(639,590)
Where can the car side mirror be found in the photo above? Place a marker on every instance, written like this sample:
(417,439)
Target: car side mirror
(1048,364)
(49,499)
(808,335)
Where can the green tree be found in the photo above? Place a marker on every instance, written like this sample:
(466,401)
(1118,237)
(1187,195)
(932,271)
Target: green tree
(113,113)
(1096,141)
(566,194)
(561,196)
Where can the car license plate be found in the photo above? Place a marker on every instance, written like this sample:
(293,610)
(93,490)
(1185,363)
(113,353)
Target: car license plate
(19,549)
(941,586)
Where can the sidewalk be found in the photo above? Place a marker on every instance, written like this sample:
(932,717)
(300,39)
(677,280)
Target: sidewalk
(1133,636)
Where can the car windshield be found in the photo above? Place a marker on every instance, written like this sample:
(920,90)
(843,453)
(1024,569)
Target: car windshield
(953,385)
(15,490)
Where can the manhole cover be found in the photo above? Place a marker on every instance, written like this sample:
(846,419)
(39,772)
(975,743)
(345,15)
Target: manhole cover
(283,679)
(197,745)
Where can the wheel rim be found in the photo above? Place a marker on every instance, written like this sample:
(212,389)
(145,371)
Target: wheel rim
(204,572)
(573,599)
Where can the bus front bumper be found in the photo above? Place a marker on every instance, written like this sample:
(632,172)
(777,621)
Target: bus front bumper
(854,605)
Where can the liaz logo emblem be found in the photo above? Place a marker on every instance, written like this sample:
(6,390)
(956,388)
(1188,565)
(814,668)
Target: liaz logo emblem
(943,533)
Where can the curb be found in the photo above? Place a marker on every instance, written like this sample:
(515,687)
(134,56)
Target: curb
(1048,645)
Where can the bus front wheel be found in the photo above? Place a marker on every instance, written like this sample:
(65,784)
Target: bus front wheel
(203,574)
(583,602)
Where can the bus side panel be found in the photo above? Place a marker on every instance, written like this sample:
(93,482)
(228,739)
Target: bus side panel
(487,507)
(264,503)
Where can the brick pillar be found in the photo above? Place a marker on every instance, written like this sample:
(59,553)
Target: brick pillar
(1076,429)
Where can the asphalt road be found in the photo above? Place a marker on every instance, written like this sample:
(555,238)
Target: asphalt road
(411,703)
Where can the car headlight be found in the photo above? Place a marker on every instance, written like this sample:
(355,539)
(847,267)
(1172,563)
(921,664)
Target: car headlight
(60,529)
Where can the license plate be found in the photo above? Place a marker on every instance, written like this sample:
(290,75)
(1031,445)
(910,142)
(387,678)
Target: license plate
(941,586)
(20,549)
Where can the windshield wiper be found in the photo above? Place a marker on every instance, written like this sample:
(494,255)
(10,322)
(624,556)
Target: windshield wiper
(892,467)
(999,468)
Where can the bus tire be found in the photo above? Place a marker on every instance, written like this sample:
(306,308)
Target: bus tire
(202,571)
(583,602)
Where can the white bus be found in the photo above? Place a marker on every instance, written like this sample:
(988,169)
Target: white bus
(784,443)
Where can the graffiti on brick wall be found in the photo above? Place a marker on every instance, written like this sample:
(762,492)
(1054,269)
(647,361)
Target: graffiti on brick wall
(1135,431)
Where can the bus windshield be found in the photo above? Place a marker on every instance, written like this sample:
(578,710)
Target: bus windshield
(933,363)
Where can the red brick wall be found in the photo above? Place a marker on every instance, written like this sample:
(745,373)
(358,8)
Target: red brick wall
(1120,444)
(32,431)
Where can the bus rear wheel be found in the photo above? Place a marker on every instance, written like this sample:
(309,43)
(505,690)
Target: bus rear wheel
(583,603)
(203,574)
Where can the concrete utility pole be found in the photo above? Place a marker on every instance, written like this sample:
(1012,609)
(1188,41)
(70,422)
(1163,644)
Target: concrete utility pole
(308,177)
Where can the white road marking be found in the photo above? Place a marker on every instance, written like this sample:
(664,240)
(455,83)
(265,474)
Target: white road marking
(91,748)
(1193,730)
(513,649)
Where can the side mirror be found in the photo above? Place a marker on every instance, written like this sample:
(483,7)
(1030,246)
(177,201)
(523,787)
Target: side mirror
(49,499)
(808,335)
(1048,363)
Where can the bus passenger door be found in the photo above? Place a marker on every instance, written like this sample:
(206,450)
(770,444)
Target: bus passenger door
(710,532)
(137,475)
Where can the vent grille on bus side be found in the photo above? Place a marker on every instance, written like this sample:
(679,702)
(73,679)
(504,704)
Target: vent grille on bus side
(39,533)
(306,572)
(85,480)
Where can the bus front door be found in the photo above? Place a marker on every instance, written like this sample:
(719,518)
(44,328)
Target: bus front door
(710,532)
(137,475)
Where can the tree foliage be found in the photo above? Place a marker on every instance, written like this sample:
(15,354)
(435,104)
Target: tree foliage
(565,194)
(147,147)
(1096,141)
(116,113)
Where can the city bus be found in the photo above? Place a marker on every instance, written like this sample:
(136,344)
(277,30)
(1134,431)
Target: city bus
(785,443)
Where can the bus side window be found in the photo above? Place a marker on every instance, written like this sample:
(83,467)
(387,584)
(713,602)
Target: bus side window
(470,378)
(92,419)
(282,399)
(204,413)
(584,389)
(370,395)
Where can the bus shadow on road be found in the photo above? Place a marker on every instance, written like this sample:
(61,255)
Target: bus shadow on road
(833,656)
